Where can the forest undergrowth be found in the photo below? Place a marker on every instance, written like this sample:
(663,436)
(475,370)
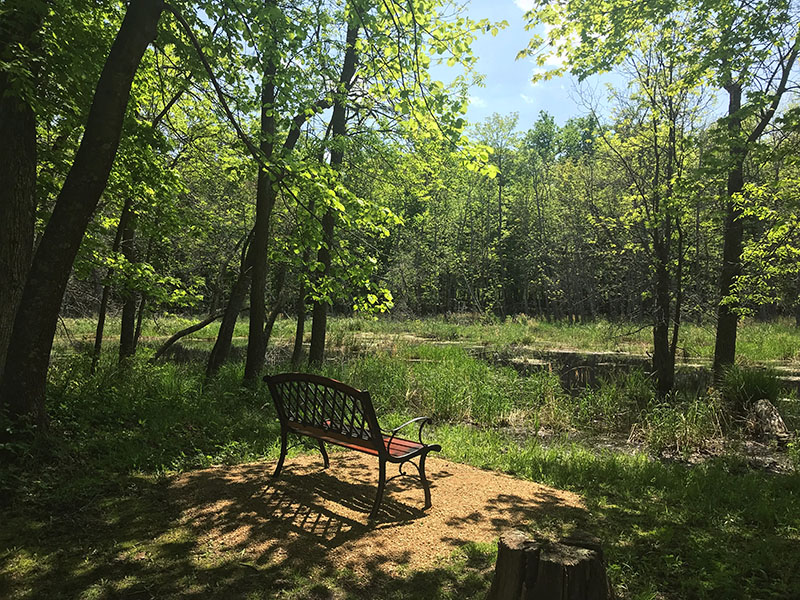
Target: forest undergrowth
(86,516)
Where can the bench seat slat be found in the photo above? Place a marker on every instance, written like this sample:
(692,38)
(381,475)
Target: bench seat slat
(398,447)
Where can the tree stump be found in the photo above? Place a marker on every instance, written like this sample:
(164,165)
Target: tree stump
(571,569)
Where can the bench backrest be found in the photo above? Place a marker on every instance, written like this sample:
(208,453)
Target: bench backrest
(327,406)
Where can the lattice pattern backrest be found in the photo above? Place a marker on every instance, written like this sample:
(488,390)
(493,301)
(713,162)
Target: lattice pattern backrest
(318,405)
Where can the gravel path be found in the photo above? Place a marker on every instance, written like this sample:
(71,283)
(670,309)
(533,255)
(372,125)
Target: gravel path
(313,515)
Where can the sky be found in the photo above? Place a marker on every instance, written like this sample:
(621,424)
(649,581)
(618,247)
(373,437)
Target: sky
(508,87)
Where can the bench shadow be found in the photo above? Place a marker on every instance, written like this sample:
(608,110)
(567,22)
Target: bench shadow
(311,508)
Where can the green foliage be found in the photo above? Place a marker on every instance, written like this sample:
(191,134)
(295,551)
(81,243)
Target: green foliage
(741,387)
(794,455)
(683,426)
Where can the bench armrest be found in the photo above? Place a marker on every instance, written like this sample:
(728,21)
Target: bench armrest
(422,422)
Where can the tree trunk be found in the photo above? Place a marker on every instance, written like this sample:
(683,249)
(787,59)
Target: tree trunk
(223,344)
(101,325)
(127,332)
(19,27)
(222,347)
(25,378)
(183,333)
(676,319)
(319,312)
(124,217)
(663,359)
(139,318)
(18,181)
(300,313)
(265,202)
(277,305)
(732,234)
(319,315)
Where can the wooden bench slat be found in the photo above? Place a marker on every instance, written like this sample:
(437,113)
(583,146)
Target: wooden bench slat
(398,446)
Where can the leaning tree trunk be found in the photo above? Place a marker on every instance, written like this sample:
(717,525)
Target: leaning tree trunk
(23,386)
(572,569)
(222,347)
(183,333)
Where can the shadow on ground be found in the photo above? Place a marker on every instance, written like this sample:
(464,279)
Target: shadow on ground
(232,532)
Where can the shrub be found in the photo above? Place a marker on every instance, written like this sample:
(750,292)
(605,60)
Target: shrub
(742,387)
(794,455)
(682,426)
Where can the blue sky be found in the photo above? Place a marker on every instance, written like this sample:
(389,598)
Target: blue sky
(508,81)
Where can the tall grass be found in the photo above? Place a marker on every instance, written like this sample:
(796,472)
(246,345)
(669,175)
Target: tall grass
(742,386)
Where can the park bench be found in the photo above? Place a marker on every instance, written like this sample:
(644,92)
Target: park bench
(330,411)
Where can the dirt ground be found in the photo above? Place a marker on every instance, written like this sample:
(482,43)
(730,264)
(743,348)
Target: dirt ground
(312,514)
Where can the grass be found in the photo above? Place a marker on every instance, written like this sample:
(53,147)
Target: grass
(717,530)
(87,512)
(756,342)
(742,387)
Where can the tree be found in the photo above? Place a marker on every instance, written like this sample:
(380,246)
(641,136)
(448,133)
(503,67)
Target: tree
(746,49)
(22,389)
(498,134)
(338,127)
(658,122)
(20,24)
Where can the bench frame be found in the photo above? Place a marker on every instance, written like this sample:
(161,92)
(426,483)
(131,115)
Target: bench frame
(331,411)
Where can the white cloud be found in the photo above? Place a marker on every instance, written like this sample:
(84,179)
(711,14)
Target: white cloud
(477,101)
(555,61)
(527,99)
(525,5)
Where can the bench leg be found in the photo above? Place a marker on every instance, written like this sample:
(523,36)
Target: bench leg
(425,484)
(279,466)
(381,485)
(324,453)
